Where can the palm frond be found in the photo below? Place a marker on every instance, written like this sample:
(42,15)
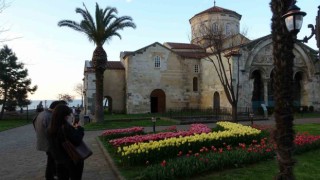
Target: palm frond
(86,15)
(71,24)
(103,27)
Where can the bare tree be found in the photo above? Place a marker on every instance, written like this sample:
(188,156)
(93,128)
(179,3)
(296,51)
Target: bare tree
(3,6)
(225,54)
(65,97)
(78,88)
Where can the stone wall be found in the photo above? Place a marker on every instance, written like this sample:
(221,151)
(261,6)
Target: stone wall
(174,77)
(211,84)
(114,89)
(90,89)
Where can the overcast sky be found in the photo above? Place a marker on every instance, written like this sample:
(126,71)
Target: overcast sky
(55,55)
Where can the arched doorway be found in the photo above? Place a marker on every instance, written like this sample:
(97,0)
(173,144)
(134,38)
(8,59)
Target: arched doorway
(158,101)
(297,89)
(257,93)
(216,100)
(195,84)
(108,104)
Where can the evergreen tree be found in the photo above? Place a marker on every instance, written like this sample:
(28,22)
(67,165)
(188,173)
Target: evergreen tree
(14,84)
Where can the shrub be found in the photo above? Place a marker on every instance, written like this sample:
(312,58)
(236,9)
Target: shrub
(311,108)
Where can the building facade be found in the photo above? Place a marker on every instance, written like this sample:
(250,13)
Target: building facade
(160,77)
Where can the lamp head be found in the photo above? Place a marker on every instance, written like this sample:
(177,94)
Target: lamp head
(294,18)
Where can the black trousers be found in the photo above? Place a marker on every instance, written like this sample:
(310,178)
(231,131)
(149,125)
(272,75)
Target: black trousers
(70,170)
(51,167)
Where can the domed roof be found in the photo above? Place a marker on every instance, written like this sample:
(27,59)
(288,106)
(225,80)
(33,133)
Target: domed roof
(217,9)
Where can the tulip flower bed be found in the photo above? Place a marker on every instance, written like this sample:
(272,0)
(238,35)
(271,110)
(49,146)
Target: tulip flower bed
(187,165)
(194,129)
(117,133)
(207,159)
(305,142)
(156,150)
(172,156)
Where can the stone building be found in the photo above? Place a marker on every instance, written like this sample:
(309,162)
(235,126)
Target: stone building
(160,77)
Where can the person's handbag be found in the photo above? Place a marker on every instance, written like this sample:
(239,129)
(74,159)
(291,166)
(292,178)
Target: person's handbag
(76,153)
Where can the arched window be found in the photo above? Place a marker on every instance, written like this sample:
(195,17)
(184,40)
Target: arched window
(196,68)
(157,62)
(195,84)
(215,27)
(216,101)
(228,29)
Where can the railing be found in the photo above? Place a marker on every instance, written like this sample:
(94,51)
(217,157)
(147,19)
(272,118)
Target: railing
(192,115)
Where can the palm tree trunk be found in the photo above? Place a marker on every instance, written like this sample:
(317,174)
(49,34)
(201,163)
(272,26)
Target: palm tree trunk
(283,82)
(99,60)
(99,97)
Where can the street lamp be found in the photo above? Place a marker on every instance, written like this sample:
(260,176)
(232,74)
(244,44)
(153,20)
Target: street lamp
(154,120)
(294,18)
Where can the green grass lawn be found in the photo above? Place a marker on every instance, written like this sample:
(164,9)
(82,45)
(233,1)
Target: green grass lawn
(313,129)
(12,123)
(307,167)
(306,115)
(126,116)
(116,124)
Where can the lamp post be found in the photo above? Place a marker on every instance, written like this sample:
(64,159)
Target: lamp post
(294,18)
(154,120)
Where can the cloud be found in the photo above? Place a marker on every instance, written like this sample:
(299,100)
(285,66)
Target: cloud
(129,1)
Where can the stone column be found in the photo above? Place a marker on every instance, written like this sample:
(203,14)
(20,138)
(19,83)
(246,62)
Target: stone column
(265,91)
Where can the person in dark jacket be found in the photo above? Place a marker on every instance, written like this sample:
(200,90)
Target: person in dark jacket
(41,124)
(59,130)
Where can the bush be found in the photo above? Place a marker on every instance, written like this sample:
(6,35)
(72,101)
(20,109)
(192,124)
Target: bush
(311,108)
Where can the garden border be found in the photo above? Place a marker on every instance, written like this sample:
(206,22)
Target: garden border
(109,160)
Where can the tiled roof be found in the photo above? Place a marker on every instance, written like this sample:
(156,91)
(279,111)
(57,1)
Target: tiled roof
(141,50)
(216,9)
(182,46)
(195,55)
(114,65)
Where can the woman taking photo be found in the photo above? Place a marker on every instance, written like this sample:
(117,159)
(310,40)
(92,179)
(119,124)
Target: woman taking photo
(59,130)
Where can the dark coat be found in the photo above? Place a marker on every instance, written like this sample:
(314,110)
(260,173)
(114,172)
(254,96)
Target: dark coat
(74,135)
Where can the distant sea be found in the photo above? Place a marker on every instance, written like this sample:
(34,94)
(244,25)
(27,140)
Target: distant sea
(46,103)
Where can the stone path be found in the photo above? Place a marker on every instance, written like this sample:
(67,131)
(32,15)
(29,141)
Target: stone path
(19,159)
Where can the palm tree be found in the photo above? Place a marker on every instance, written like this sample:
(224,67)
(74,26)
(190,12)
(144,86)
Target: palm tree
(283,44)
(101,30)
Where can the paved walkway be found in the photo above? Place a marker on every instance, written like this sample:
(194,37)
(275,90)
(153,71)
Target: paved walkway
(19,159)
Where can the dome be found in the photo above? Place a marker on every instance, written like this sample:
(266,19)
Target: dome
(217,9)
(215,19)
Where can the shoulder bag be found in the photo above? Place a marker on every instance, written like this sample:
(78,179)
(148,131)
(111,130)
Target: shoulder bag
(76,153)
